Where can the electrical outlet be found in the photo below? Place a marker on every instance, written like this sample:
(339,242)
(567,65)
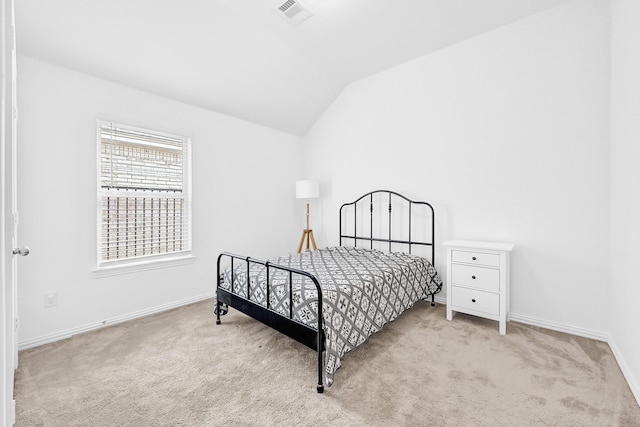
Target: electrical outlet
(50,299)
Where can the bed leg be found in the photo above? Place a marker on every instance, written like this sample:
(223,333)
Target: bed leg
(433,300)
(217,309)
(320,386)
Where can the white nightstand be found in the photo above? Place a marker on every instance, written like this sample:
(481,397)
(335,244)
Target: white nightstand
(478,279)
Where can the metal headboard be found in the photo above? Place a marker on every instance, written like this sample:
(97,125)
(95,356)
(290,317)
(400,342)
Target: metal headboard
(390,238)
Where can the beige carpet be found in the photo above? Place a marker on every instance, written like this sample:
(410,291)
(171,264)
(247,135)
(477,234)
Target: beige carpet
(179,368)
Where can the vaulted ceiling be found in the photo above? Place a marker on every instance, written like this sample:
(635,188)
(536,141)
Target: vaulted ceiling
(242,57)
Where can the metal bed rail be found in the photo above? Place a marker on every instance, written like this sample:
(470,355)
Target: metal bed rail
(305,334)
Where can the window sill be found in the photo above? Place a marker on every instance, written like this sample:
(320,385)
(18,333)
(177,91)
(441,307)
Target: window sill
(135,267)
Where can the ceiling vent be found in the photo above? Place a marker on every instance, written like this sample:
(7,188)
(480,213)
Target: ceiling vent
(295,12)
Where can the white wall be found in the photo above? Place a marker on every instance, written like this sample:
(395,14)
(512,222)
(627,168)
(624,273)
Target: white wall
(243,197)
(507,134)
(625,195)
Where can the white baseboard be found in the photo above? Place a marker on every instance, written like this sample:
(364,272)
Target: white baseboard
(12,413)
(569,329)
(626,371)
(573,330)
(68,333)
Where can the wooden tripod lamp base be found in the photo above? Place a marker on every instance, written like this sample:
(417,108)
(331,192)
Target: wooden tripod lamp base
(307,189)
(308,235)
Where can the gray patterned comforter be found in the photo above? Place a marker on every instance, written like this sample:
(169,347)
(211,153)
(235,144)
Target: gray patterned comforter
(362,290)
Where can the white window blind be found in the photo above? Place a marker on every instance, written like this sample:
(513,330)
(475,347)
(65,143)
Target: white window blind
(144,194)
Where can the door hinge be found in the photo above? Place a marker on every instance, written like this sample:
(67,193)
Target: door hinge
(17,323)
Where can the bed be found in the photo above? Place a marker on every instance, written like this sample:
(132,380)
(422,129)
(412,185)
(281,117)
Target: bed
(334,298)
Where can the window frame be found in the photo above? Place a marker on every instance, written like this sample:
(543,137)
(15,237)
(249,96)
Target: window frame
(150,261)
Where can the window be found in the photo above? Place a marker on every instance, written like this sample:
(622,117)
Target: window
(144,195)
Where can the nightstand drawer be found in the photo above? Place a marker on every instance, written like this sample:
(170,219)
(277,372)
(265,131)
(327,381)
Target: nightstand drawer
(472,299)
(477,277)
(478,258)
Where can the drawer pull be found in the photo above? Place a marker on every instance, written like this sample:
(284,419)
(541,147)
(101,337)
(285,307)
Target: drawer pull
(473,258)
(473,300)
(473,277)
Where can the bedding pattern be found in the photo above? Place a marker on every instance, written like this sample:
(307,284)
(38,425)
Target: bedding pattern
(362,290)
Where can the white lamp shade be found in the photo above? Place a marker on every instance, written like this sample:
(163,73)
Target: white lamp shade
(307,189)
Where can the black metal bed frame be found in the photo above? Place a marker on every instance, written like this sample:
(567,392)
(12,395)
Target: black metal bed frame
(311,337)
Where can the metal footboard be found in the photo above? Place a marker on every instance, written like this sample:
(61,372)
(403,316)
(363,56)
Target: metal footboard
(305,334)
